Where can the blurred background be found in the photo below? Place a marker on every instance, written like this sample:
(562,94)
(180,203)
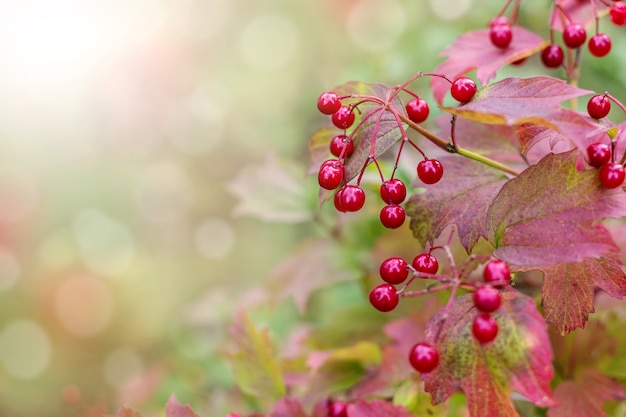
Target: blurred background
(153,159)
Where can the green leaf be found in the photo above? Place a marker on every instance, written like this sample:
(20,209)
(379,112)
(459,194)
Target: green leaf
(255,365)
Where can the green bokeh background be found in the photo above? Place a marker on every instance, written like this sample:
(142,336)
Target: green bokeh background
(129,130)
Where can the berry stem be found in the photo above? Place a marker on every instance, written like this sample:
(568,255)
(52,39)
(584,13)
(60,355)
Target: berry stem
(426,290)
(443,144)
(616,101)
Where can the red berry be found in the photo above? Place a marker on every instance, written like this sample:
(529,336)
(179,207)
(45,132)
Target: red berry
(425,262)
(394,270)
(417,110)
(384,297)
(339,143)
(337,201)
(328,102)
(392,216)
(599,154)
(618,13)
(463,89)
(501,35)
(430,171)
(574,35)
(612,175)
(343,118)
(599,45)
(497,273)
(484,328)
(487,299)
(351,198)
(598,106)
(393,191)
(423,357)
(337,409)
(330,174)
(552,56)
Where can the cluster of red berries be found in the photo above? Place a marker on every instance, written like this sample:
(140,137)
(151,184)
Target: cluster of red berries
(424,357)
(331,174)
(600,155)
(395,271)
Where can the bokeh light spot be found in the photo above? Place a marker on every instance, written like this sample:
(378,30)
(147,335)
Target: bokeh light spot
(215,238)
(269,42)
(375,25)
(450,10)
(25,349)
(9,270)
(122,365)
(83,305)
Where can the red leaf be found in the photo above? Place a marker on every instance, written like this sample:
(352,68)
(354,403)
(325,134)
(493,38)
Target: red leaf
(568,289)
(377,408)
(473,50)
(288,407)
(462,197)
(536,100)
(585,396)
(536,141)
(518,359)
(533,222)
(174,409)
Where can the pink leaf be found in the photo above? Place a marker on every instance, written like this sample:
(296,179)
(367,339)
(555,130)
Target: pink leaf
(174,409)
(533,222)
(376,408)
(462,197)
(473,50)
(578,11)
(585,396)
(520,358)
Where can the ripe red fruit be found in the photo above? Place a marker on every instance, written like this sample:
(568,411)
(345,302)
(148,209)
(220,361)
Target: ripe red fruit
(392,216)
(612,175)
(463,89)
(598,106)
(599,45)
(393,191)
(337,201)
(574,35)
(339,143)
(417,110)
(497,273)
(498,21)
(487,299)
(484,328)
(430,171)
(351,198)
(384,297)
(328,102)
(338,409)
(394,270)
(330,174)
(423,357)
(598,154)
(552,56)
(618,13)
(343,118)
(501,35)
(425,262)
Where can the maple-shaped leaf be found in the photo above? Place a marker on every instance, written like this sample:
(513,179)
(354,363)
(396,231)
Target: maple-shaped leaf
(537,141)
(535,100)
(473,50)
(462,197)
(377,408)
(545,216)
(255,365)
(174,409)
(568,288)
(520,357)
(125,411)
(585,395)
